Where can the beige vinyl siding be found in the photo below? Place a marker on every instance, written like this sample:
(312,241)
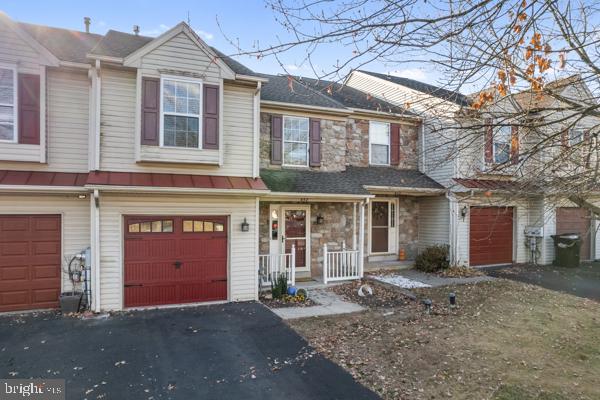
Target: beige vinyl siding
(243,246)
(75,218)
(14,50)
(67,114)
(434,221)
(181,54)
(118,129)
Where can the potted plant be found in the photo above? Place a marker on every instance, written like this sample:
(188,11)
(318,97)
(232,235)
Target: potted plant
(70,302)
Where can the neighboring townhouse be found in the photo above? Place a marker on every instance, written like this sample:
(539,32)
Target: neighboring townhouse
(489,208)
(143,149)
(342,168)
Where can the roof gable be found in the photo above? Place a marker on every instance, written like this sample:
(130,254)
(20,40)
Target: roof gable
(134,59)
(431,90)
(46,57)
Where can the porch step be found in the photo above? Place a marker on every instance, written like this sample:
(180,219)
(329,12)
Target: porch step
(393,264)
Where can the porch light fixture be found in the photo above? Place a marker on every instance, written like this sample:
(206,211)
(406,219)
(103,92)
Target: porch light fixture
(320,219)
(463,212)
(82,196)
(245,226)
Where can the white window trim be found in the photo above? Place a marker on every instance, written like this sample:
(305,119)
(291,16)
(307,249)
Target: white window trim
(581,137)
(508,142)
(200,109)
(15,104)
(283,141)
(389,144)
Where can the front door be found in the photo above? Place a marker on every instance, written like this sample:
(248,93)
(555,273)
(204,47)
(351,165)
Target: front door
(295,231)
(383,226)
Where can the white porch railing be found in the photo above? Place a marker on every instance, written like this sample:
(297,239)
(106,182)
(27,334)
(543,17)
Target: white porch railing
(270,266)
(341,265)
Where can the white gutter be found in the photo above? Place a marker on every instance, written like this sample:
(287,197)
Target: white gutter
(97,57)
(330,110)
(150,189)
(95,247)
(384,114)
(301,196)
(407,190)
(251,78)
(71,64)
(256,132)
(44,189)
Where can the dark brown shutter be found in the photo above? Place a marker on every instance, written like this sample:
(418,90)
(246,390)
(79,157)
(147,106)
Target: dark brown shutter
(276,139)
(210,117)
(564,138)
(315,142)
(150,111)
(514,144)
(489,141)
(29,109)
(395,144)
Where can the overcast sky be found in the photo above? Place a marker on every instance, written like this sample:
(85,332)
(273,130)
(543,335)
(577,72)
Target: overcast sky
(247,21)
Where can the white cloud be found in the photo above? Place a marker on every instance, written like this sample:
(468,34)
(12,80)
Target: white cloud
(162,28)
(205,35)
(410,73)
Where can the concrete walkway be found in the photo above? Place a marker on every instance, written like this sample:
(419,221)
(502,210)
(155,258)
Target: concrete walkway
(329,304)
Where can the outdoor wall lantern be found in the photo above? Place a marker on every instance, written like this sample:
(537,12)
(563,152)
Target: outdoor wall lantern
(320,219)
(463,212)
(245,226)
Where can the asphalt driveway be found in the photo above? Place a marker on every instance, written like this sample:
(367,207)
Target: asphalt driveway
(233,351)
(583,281)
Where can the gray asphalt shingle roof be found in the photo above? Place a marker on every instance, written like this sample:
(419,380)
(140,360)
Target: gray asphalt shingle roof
(426,88)
(278,89)
(323,93)
(70,45)
(351,181)
(65,44)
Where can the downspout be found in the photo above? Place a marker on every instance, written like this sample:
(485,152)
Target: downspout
(95,247)
(256,132)
(98,104)
(423,166)
(453,228)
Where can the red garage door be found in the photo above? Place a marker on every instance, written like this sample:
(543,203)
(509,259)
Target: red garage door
(30,259)
(575,220)
(491,235)
(173,260)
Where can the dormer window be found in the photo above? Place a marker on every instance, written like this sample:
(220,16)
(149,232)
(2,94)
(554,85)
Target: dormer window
(181,112)
(502,143)
(8,109)
(379,143)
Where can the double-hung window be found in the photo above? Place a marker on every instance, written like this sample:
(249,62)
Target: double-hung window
(379,143)
(181,112)
(576,136)
(8,108)
(502,141)
(295,141)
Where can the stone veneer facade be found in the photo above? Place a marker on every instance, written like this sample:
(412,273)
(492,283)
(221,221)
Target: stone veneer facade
(344,142)
(338,227)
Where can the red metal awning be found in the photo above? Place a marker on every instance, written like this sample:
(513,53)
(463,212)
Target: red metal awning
(140,179)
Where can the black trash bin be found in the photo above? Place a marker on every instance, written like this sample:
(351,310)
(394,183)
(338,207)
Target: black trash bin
(567,250)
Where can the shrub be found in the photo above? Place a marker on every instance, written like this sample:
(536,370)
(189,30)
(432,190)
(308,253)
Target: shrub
(279,287)
(433,259)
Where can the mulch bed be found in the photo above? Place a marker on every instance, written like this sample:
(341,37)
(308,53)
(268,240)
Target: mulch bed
(460,272)
(279,303)
(384,296)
